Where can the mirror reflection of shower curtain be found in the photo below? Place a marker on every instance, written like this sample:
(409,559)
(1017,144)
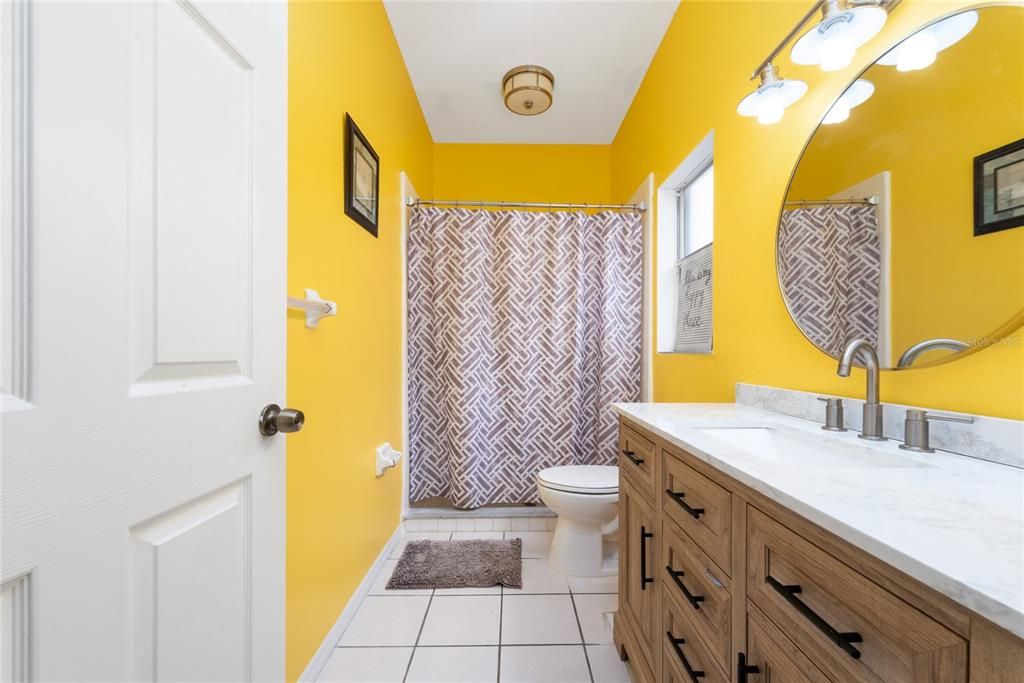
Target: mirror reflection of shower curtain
(829,260)
(523,328)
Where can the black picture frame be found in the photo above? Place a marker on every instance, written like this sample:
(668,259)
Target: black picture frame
(986,175)
(360,159)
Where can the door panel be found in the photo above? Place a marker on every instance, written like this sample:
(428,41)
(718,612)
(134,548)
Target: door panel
(636,589)
(139,499)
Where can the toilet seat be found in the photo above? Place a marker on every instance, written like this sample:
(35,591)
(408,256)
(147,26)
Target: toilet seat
(581,479)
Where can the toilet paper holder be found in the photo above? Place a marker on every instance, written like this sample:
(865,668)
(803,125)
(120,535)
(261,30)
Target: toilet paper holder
(387,457)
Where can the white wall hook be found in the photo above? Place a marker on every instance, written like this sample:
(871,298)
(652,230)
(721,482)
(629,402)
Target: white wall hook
(315,307)
(387,457)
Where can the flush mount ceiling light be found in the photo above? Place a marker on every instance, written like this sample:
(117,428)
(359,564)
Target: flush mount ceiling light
(528,90)
(772,97)
(856,94)
(920,50)
(845,25)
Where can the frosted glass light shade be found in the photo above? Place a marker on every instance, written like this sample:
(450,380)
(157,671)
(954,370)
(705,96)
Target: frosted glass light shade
(920,50)
(528,90)
(833,42)
(769,101)
(858,93)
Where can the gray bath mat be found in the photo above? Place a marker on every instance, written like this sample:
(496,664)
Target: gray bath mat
(459,564)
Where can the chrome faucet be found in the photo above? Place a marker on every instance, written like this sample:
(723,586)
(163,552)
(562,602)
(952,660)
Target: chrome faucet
(872,425)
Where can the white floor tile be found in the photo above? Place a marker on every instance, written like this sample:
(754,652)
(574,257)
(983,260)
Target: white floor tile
(386,620)
(558,664)
(454,665)
(483,524)
(462,620)
(396,552)
(428,525)
(379,586)
(412,525)
(465,524)
(538,619)
(594,584)
(476,535)
(535,543)
(520,523)
(447,524)
(538,577)
(606,665)
(502,524)
(596,615)
(366,665)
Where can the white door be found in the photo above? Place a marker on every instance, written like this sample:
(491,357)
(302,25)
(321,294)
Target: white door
(143,311)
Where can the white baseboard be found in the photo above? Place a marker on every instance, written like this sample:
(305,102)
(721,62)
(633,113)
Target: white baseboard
(323,653)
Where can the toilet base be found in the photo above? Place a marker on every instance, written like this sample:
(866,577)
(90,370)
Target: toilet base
(581,549)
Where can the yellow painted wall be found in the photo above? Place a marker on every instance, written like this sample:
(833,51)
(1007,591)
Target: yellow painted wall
(526,173)
(697,77)
(346,374)
(925,128)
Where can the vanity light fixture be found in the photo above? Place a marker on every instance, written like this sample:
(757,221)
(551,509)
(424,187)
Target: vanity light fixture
(920,50)
(858,93)
(845,25)
(528,90)
(772,97)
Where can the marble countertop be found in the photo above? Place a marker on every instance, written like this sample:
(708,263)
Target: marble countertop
(952,522)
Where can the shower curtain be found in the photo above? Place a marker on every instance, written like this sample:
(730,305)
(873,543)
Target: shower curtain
(829,260)
(523,327)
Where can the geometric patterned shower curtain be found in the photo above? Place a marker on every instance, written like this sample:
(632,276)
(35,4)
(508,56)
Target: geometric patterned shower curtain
(830,267)
(523,328)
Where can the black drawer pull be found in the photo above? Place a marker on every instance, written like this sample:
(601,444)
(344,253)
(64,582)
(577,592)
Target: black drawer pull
(678,497)
(694,674)
(743,669)
(644,579)
(843,640)
(632,456)
(695,600)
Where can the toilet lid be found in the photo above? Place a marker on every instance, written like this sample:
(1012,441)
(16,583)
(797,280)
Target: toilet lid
(581,478)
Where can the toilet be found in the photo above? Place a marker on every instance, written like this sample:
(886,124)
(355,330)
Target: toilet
(585,498)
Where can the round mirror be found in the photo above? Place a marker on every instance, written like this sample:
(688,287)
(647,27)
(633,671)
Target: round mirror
(904,219)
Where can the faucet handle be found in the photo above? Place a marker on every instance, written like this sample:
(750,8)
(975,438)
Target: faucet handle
(915,429)
(833,414)
(944,418)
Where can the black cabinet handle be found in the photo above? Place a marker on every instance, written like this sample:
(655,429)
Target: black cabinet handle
(743,669)
(632,456)
(843,640)
(694,674)
(695,600)
(644,579)
(678,497)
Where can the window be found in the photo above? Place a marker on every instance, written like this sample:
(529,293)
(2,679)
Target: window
(695,216)
(685,233)
(696,212)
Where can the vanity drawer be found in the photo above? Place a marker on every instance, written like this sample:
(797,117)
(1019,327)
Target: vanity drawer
(685,657)
(700,507)
(636,461)
(778,660)
(850,627)
(692,578)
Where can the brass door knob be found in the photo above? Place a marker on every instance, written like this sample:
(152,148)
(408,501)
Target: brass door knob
(274,419)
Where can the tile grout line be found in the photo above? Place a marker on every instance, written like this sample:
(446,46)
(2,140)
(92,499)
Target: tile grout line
(419,634)
(583,640)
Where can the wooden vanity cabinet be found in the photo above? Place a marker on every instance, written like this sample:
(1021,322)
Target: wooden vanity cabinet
(719,583)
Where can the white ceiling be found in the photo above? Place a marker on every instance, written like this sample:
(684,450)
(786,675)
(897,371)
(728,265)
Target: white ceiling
(457,52)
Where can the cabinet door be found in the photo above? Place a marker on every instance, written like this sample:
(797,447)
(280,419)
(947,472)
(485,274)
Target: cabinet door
(774,656)
(637,558)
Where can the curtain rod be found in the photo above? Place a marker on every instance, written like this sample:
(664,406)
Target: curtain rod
(526,205)
(870,201)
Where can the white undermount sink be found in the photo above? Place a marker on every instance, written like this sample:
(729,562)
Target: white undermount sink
(793,448)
